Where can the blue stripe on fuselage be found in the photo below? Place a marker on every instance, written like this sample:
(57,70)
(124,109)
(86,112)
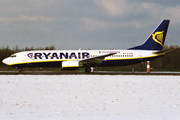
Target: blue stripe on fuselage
(40,64)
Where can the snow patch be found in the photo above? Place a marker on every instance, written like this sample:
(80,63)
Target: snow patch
(89,97)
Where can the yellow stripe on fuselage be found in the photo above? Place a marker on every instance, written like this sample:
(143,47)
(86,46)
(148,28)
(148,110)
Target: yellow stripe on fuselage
(70,66)
(27,62)
(130,58)
(122,58)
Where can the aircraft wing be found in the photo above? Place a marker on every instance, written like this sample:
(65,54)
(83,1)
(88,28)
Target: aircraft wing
(95,60)
(164,51)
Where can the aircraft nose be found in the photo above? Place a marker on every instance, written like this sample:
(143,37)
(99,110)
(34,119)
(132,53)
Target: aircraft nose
(6,61)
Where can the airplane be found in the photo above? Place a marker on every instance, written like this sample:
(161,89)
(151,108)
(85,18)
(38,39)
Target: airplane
(151,49)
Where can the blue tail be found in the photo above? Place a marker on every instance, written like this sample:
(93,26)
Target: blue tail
(156,40)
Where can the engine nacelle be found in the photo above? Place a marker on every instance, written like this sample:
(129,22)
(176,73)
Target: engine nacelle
(70,65)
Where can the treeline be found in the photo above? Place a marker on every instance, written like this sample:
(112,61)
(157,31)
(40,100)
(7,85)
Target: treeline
(169,62)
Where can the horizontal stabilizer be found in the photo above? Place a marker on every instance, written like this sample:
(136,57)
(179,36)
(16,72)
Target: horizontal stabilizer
(164,51)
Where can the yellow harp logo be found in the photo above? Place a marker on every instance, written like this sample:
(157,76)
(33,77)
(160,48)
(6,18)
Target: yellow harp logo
(158,37)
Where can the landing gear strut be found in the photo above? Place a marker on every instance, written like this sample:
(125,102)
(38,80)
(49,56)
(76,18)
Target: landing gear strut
(88,70)
(20,69)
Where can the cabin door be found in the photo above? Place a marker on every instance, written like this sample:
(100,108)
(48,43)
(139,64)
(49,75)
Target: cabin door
(140,56)
(24,57)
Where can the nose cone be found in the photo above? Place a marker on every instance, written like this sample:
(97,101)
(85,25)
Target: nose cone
(6,61)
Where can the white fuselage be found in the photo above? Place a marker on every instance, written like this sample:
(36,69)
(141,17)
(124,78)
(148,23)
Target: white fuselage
(43,57)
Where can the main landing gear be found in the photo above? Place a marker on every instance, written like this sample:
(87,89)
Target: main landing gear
(89,69)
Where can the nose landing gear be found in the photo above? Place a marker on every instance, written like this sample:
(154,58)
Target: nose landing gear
(19,69)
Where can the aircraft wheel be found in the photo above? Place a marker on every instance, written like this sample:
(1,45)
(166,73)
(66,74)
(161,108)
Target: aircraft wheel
(20,70)
(88,70)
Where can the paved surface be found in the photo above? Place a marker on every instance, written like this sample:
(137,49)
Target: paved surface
(83,73)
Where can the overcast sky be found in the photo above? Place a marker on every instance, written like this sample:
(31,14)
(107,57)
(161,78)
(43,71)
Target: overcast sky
(85,24)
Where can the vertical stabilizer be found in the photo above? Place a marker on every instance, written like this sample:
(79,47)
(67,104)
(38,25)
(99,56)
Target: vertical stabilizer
(156,40)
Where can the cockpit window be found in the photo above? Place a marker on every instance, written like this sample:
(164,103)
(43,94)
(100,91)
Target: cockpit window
(13,56)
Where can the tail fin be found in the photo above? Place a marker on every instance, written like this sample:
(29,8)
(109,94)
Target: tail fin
(156,40)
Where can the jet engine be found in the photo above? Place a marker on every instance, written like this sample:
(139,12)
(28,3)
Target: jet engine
(70,65)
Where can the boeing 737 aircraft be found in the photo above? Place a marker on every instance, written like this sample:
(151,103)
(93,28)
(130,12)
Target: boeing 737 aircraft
(75,59)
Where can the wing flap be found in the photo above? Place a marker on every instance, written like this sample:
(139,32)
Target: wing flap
(95,60)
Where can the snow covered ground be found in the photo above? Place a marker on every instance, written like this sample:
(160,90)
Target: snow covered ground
(89,97)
